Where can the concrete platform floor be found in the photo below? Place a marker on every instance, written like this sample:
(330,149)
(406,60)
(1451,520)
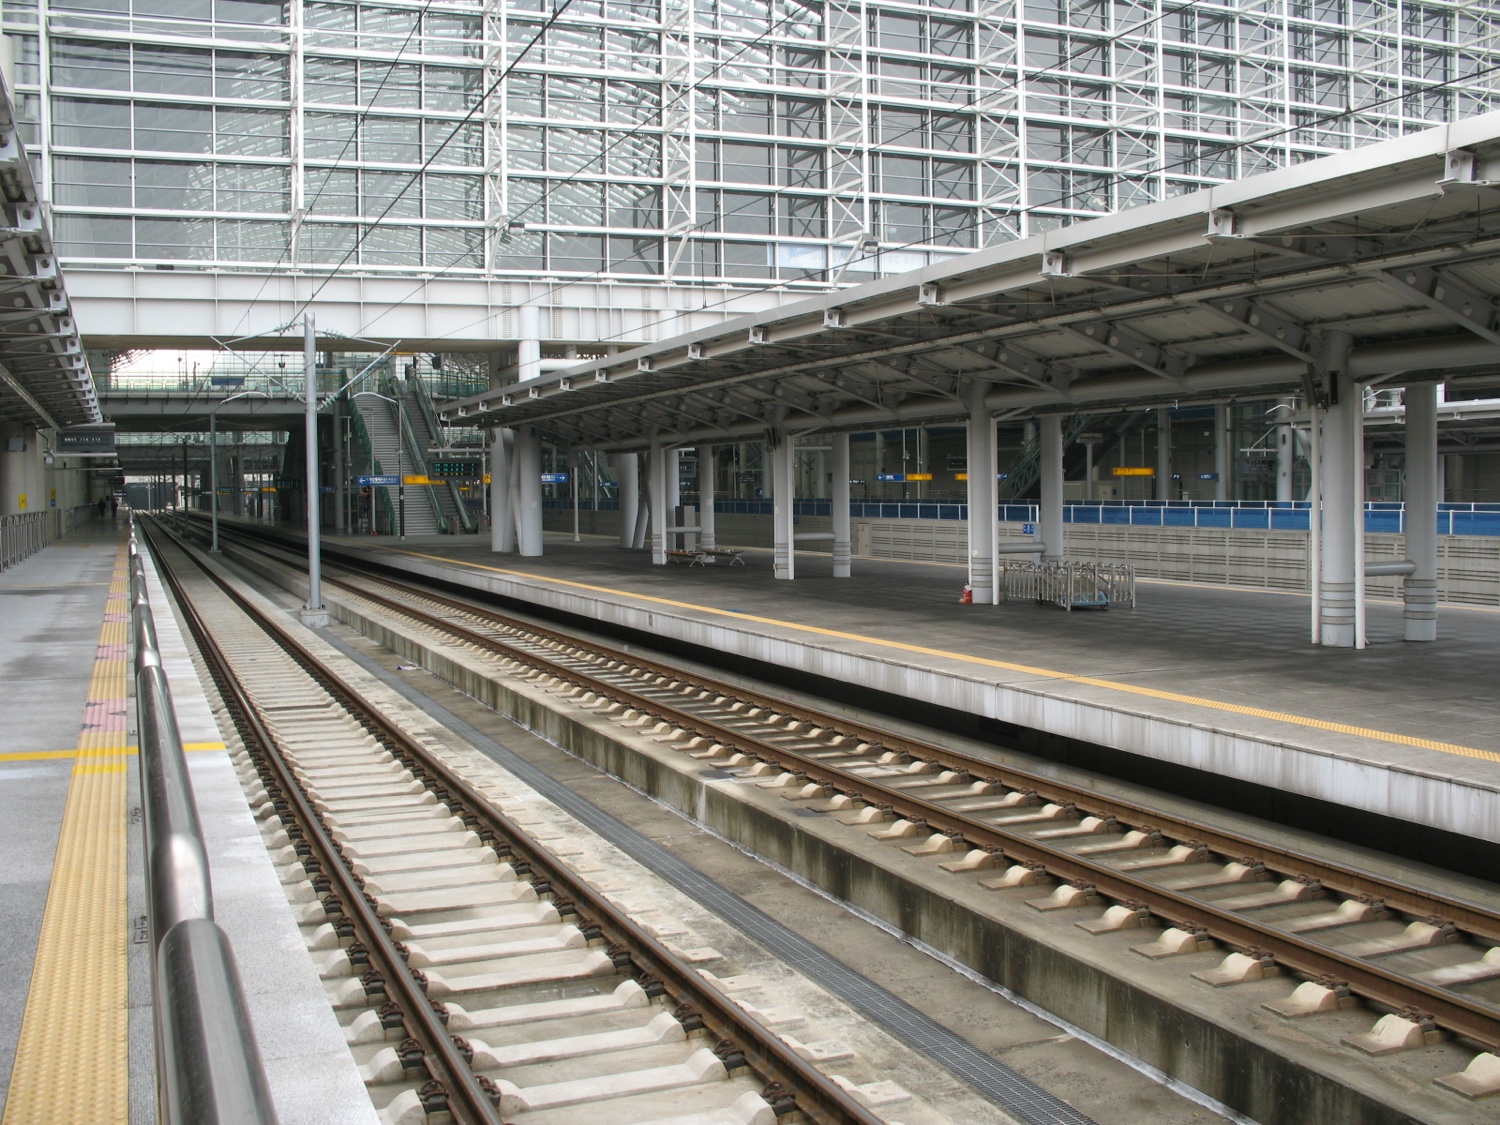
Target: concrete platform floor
(50,609)
(1205,677)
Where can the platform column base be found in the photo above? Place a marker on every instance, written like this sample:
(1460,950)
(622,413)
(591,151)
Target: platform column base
(1421,609)
(314,618)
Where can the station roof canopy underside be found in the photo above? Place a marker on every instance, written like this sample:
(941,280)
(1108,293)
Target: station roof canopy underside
(1241,289)
(44,378)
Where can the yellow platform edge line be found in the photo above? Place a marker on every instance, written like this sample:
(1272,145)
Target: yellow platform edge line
(72,1057)
(988,662)
(80,752)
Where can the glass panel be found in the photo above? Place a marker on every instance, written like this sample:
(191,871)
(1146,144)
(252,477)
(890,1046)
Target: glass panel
(635,255)
(461,247)
(747,259)
(635,154)
(253,187)
(174,185)
(263,12)
(170,70)
(118,6)
(525,97)
(455,143)
(953,226)
(452,35)
(396,140)
(331,81)
(245,240)
(575,99)
(527,149)
(519,251)
(802,217)
(261,77)
(397,22)
(577,205)
(800,118)
(91,236)
(173,128)
(802,167)
(325,243)
(390,86)
(904,222)
(576,253)
(91,124)
(189,239)
(746,164)
(328,136)
(330,192)
(390,245)
(176,9)
(575,150)
(89,181)
(635,205)
(451,89)
(633,103)
(390,189)
(252,132)
(746,214)
(952,179)
(456,197)
(94,66)
(746,113)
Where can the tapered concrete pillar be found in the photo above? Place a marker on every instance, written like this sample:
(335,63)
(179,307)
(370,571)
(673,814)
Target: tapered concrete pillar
(529,349)
(529,489)
(1050,511)
(656,487)
(839,506)
(628,475)
(1222,459)
(1163,455)
(707,481)
(1340,495)
(672,477)
(982,499)
(785,560)
(1420,588)
(502,514)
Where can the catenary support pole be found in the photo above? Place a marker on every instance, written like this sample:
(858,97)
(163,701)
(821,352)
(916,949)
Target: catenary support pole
(575,459)
(1315,518)
(529,487)
(314,613)
(213,475)
(1286,451)
(1358,516)
(707,494)
(839,506)
(1050,511)
(1340,429)
(981,495)
(782,507)
(340,473)
(1420,589)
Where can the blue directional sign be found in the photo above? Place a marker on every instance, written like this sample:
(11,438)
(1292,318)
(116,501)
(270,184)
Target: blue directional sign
(390,480)
(1028,529)
(554,478)
(1208,476)
(890,476)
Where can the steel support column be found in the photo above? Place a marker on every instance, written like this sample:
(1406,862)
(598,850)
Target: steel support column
(782,520)
(983,503)
(1340,497)
(656,486)
(628,478)
(1286,452)
(1050,511)
(707,537)
(1222,459)
(1163,455)
(502,515)
(1420,588)
(840,506)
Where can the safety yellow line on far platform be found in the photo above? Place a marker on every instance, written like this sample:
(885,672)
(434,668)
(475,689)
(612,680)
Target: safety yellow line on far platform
(988,662)
(72,1058)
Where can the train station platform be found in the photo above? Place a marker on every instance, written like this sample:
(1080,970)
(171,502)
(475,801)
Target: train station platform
(75,973)
(1198,690)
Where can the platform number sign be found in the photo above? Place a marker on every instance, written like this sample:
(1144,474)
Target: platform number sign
(1028,529)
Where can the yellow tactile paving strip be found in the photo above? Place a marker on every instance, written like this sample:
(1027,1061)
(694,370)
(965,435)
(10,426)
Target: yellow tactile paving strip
(129,751)
(987,662)
(71,1061)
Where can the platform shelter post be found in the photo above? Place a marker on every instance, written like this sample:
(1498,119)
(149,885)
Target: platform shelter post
(782,506)
(1050,511)
(1421,494)
(1340,497)
(707,537)
(529,487)
(983,501)
(628,479)
(842,553)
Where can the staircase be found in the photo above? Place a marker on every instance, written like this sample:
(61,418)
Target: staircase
(423,420)
(381,425)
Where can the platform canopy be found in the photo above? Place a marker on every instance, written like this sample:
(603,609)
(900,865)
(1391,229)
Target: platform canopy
(44,379)
(1231,291)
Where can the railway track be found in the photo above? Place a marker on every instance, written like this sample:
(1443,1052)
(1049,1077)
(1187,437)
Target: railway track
(477,975)
(1426,962)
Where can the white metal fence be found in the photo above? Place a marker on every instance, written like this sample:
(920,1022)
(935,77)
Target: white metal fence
(21,536)
(1071,585)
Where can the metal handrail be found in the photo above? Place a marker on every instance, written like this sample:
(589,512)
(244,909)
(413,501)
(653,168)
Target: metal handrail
(208,1065)
(406,434)
(357,424)
(419,395)
(21,536)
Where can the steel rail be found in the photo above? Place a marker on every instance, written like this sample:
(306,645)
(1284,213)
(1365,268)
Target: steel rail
(1451,1011)
(1400,896)
(792,1082)
(461,1092)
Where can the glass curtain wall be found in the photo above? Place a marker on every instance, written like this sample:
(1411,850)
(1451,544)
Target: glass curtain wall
(800,141)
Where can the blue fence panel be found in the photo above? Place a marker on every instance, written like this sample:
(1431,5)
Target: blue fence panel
(1114,515)
(1383,521)
(1215,517)
(1179,517)
(1283,519)
(1476,523)
(1253,519)
(1146,517)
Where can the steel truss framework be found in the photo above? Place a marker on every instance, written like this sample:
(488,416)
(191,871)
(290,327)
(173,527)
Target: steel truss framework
(800,141)
(1235,290)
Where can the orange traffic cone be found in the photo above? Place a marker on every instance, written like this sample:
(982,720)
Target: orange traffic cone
(967,598)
